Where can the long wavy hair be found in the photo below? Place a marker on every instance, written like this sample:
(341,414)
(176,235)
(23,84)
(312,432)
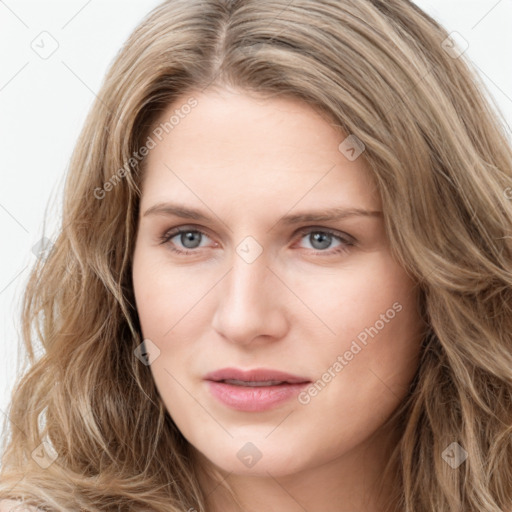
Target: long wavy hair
(381,70)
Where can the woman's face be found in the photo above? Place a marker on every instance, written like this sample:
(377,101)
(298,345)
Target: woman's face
(283,266)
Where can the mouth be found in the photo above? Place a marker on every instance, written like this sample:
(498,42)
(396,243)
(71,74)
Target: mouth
(254,390)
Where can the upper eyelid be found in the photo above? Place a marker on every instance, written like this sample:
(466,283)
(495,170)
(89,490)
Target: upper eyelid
(334,232)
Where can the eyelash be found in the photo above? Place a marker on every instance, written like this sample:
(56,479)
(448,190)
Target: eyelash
(346,241)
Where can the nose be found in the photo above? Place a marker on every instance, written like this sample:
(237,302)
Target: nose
(250,304)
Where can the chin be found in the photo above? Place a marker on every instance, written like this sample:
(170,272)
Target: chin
(257,459)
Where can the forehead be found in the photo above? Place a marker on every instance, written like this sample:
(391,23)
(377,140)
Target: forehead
(253,151)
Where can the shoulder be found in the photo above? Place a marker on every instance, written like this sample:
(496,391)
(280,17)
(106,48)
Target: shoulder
(15,506)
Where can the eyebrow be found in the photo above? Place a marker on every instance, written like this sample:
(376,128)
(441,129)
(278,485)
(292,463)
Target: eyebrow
(329,214)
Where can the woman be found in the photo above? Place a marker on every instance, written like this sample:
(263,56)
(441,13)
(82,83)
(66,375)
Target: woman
(283,280)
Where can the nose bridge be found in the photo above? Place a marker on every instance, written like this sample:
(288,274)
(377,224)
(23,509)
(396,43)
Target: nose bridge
(248,305)
(249,274)
(247,284)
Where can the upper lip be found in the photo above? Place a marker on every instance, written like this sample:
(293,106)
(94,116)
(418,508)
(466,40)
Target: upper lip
(255,375)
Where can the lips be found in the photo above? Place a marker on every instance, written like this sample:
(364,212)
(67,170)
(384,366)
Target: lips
(258,377)
(255,390)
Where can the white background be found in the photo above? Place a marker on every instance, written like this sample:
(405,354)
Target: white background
(44,102)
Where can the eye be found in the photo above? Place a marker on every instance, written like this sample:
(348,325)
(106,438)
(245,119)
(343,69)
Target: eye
(189,238)
(319,238)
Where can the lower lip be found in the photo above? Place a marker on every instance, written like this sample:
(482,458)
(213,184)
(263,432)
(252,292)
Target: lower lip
(254,399)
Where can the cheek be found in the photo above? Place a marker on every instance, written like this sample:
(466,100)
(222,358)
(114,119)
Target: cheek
(364,371)
(163,302)
(174,313)
(375,326)
(356,296)
(165,295)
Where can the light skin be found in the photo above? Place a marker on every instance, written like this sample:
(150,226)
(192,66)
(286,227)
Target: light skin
(246,163)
